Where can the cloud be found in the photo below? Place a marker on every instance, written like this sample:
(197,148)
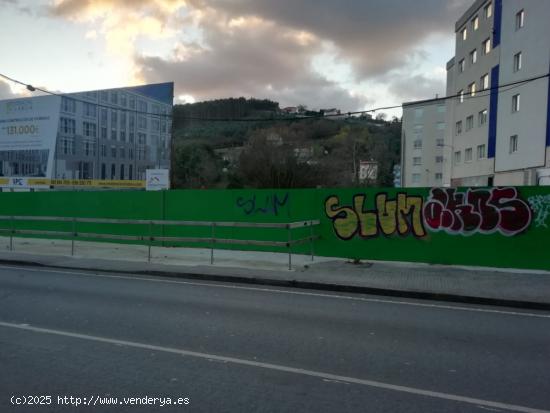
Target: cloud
(265,48)
(373,35)
(417,87)
(5,91)
(249,57)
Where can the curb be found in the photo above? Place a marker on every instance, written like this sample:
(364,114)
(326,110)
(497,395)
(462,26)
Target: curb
(307,285)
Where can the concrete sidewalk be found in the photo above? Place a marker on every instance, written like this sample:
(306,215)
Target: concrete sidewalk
(513,288)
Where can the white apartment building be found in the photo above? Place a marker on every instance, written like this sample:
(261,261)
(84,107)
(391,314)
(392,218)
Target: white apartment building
(423,144)
(114,134)
(499,135)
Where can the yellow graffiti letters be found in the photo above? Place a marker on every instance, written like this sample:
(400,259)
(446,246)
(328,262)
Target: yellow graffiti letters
(344,219)
(402,215)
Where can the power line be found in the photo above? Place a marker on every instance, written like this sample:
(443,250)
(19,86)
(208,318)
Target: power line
(465,96)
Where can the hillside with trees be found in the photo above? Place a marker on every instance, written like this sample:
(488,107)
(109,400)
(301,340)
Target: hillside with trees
(240,143)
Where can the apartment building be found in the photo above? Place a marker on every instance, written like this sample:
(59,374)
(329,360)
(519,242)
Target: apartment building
(498,135)
(113,134)
(423,144)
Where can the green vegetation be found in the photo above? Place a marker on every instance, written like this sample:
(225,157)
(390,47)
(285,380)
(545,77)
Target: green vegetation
(240,143)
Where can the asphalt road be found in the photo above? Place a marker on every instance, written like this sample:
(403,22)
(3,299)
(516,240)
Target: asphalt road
(236,348)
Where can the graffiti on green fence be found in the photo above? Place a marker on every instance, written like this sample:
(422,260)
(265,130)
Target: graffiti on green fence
(266,205)
(474,211)
(540,204)
(401,215)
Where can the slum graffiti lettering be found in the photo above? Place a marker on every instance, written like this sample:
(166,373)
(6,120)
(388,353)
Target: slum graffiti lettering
(402,215)
(483,211)
(540,204)
(269,204)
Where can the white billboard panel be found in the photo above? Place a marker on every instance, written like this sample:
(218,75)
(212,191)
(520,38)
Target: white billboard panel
(28,133)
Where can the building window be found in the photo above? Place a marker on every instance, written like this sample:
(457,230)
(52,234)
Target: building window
(104,96)
(461,66)
(103,132)
(440,142)
(155,123)
(113,151)
(131,154)
(459,127)
(482,117)
(89,148)
(475,23)
(472,89)
(67,146)
(123,99)
(417,161)
(473,56)
(89,129)
(464,33)
(141,138)
(520,19)
(104,150)
(441,109)
(461,96)
(469,122)
(468,155)
(457,157)
(418,144)
(142,106)
(122,136)
(103,117)
(485,81)
(440,126)
(488,9)
(415,178)
(103,176)
(487,46)
(439,176)
(131,137)
(142,122)
(518,62)
(513,144)
(113,171)
(68,105)
(90,110)
(439,159)
(121,172)
(122,152)
(130,172)
(114,97)
(481,152)
(123,121)
(67,126)
(516,103)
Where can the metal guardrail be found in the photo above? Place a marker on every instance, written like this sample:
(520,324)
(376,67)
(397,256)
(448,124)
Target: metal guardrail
(212,240)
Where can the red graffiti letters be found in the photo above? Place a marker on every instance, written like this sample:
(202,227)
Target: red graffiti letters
(484,211)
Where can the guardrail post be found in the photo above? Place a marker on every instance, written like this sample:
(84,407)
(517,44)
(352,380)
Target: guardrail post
(311,240)
(12,222)
(73,237)
(150,240)
(212,242)
(289,247)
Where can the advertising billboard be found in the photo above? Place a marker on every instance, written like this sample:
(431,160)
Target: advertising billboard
(28,131)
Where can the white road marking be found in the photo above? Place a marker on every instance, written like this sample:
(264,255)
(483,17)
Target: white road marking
(276,291)
(278,367)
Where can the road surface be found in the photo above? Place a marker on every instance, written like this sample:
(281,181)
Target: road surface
(107,338)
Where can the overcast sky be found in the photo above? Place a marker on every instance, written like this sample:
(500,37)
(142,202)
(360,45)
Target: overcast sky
(349,54)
